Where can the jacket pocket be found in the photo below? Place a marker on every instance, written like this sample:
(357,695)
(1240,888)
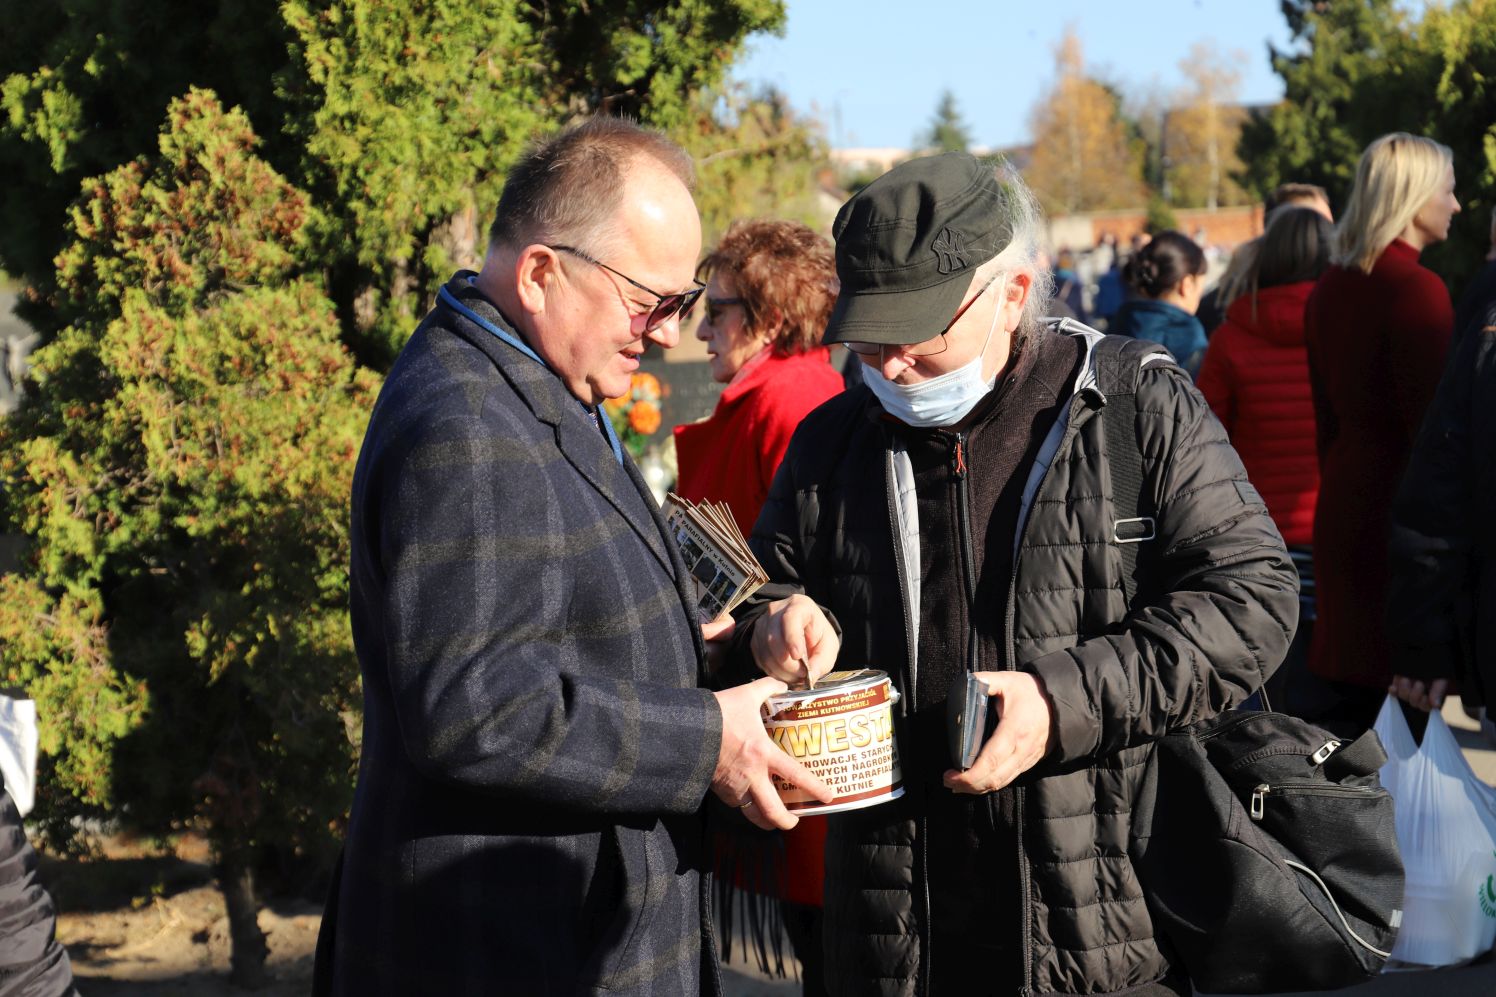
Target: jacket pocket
(619,903)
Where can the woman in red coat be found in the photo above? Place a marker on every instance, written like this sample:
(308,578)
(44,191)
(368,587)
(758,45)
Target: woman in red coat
(770,287)
(1256,378)
(1378,326)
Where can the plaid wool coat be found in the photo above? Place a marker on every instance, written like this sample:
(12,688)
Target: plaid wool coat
(535,748)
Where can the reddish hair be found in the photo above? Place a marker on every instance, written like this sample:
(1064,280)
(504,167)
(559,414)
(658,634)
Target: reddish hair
(782,267)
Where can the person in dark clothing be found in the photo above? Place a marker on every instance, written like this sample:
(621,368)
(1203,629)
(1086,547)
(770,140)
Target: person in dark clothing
(1069,298)
(953,516)
(32,962)
(1111,293)
(1441,590)
(1471,315)
(538,739)
(1168,275)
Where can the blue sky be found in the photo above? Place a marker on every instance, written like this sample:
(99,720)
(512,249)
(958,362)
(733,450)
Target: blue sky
(873,71)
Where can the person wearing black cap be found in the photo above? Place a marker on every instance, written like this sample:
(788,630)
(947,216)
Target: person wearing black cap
(956,515)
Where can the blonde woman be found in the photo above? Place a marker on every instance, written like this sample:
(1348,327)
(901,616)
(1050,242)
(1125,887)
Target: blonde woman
(1377,329)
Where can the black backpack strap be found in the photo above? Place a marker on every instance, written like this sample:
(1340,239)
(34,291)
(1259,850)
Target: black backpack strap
(1118,363)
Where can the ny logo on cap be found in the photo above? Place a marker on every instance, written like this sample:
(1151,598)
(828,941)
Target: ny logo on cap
(950,254)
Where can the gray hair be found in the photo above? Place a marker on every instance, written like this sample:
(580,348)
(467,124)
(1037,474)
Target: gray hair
(1025,250)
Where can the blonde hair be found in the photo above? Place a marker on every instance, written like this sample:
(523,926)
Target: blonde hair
(1396,176)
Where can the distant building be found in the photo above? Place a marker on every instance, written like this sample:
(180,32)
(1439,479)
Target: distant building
(868,160)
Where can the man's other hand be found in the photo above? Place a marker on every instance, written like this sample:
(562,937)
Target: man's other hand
(794,642)
(716,634)
(749,758)
(1020,740)
(1426,697)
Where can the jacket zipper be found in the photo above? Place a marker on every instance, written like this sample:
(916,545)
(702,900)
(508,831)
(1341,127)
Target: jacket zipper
(967,554)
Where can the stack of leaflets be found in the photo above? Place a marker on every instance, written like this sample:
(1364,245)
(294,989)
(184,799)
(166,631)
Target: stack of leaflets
(722,567)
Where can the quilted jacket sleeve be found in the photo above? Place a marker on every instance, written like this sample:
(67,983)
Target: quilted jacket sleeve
(1216,608)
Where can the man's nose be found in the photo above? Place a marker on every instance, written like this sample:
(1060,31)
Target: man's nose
(893,361)
(667,333)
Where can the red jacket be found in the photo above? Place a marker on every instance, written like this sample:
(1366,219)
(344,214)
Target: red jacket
(731,457)
(1376,349)
(1256,378)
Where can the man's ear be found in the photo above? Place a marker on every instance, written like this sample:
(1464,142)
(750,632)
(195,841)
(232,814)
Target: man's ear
(1015,296)
(536,271)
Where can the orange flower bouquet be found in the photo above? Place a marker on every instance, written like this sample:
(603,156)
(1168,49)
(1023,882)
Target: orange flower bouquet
(636,415)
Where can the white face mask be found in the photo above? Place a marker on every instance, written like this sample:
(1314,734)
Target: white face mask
(940,401)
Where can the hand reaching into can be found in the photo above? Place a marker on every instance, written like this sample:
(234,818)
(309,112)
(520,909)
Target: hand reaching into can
(748,759)
(794,642)
(1021,739)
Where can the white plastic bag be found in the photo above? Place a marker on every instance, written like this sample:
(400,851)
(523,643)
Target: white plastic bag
(1447,833)
(1397,741)
(18,740)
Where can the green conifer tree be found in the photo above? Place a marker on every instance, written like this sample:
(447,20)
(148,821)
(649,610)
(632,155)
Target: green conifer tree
(182,470)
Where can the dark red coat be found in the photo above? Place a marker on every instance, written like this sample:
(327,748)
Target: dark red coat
(731,457)
(1256,378)
(1376,349)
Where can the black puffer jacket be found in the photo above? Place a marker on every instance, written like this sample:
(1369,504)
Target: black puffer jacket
(1214,615)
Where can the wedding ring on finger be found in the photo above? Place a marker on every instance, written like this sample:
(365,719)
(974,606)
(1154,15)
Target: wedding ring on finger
(746,804)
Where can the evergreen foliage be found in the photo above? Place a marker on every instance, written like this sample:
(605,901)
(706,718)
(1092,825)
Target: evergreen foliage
(947,132)
(399,120)
(181,469)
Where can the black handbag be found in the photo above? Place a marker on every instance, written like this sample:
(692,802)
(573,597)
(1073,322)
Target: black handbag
(1266,849)
(1267,852)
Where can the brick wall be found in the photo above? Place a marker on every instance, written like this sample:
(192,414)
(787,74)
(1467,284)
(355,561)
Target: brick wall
(1224,227)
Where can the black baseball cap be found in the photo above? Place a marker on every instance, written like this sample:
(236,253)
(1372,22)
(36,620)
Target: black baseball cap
(908,245)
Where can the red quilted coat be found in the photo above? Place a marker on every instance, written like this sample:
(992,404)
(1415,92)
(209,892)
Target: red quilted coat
(1256,378)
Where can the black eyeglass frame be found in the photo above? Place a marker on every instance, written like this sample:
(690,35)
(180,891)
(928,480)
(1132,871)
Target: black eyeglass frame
(666,305)
(864,349)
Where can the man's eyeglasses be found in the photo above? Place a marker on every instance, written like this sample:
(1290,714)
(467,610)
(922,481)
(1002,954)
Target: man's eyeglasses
(928,348)
(666,305)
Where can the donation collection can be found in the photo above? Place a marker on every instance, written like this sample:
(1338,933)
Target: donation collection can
(842,730)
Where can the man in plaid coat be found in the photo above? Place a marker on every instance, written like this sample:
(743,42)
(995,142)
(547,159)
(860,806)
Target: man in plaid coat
(536,749)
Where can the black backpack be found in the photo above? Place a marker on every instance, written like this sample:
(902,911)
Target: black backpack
(1266,849)
(1267,852)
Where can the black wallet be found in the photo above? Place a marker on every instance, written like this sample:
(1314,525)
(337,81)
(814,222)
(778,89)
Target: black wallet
(968,715)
